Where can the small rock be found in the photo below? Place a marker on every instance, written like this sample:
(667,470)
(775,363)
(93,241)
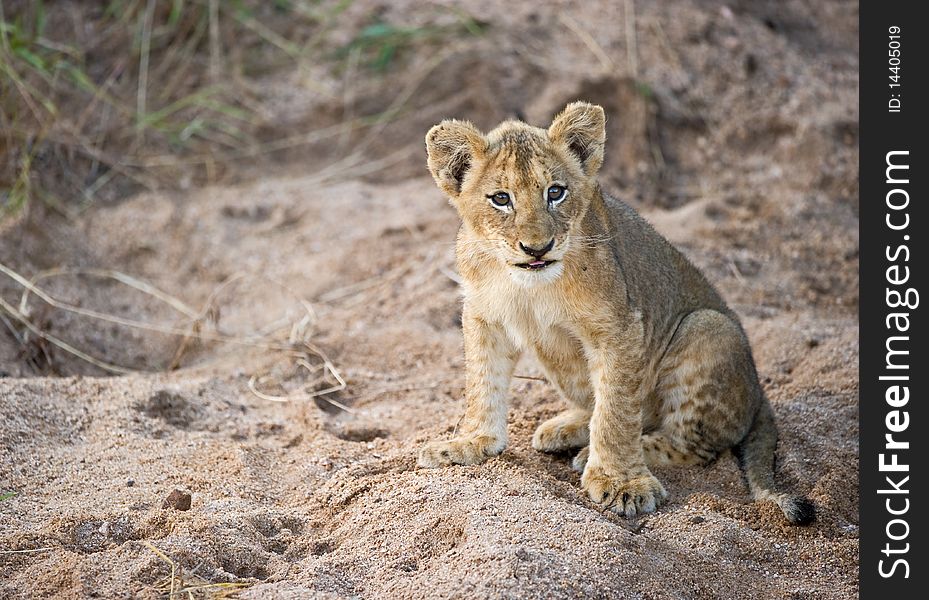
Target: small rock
(178,500)
(130,482)
(697,520)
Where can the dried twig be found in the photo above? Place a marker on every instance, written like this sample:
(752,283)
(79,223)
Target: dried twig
(632,53)
(605,61)
(360,286)
(61,343)
(28,550)
(128,280)
(307,395)
(144,53)
(450,274)
(734,268)
(178,585)
(297,347)
(530,378)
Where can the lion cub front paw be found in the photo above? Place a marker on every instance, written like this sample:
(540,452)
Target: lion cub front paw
(629,496)
(460,451)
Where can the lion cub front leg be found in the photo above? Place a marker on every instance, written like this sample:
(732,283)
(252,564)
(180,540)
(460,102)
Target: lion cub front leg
(615,474)
(489,359)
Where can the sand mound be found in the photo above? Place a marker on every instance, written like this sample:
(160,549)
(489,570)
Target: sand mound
(302,498)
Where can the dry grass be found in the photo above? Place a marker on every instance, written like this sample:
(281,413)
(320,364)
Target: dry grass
(315,374)
(100,99)
(183,585)
(300,371)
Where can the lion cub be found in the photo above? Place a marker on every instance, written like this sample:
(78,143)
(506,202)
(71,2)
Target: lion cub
(655,367)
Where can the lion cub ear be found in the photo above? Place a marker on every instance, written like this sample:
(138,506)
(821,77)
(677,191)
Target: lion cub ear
(451,148)
(582,128)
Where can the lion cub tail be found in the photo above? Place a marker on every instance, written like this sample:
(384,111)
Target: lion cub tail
(756,457)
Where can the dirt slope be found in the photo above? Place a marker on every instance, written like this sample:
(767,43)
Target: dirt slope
(743,151)
(302,497)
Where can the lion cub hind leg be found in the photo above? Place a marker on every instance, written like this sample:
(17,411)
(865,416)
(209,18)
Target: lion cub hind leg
(706,393)
(711,401)
(580,460)
(565,431)
(707,389)
(659,451)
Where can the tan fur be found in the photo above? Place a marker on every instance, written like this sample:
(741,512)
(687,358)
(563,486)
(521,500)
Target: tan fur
(654,365)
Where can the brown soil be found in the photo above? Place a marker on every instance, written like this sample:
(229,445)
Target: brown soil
(742,149)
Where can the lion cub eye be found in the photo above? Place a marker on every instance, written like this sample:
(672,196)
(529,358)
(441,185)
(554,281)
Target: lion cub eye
(500,199)
(556,193)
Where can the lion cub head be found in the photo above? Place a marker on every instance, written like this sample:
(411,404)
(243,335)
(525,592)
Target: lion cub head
(521,191)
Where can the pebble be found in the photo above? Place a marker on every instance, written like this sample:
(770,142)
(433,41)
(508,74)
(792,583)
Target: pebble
(178,500)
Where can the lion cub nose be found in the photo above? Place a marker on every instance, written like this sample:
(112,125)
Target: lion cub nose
(537,252)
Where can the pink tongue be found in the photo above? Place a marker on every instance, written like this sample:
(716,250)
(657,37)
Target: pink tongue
(537,263)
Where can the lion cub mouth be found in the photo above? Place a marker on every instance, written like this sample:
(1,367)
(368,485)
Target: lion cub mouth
(535,265)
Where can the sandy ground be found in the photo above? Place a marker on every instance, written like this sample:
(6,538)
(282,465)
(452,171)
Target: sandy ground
(743,152)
